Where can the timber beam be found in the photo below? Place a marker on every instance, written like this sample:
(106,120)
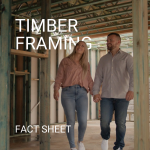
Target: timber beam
(28,54)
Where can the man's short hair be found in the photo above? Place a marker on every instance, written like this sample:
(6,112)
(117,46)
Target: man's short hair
(113,33)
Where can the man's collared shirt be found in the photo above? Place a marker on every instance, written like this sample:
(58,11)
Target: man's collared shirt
(115,73)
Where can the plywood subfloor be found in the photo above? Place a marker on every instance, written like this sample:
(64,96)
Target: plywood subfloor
(59,141)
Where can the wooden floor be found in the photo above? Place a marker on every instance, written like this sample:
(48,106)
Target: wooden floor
(59,141)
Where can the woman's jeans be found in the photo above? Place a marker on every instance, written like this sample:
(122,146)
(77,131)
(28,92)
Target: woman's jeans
(120,106)
(75,98)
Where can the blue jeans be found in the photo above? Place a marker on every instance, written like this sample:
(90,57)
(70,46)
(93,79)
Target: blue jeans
(75,98)
(120,106)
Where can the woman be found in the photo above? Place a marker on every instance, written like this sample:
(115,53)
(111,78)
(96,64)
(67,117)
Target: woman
(75,79)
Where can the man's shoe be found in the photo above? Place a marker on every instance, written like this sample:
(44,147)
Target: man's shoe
(104,144)
(73,149)
(81,146)
(118,149)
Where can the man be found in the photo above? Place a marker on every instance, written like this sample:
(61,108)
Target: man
(115,74)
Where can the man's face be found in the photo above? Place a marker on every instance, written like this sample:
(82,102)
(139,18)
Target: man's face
(113,42)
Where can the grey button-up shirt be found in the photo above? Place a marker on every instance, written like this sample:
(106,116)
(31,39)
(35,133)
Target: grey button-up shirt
(115,73)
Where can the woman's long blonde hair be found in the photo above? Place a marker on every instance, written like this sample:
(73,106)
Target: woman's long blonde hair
(83,60)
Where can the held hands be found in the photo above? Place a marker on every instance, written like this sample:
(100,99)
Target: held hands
(129,95)
(56,95)
(97,98)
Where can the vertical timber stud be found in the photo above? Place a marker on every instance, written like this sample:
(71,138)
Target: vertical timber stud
(96,63)
(5,74)
(45,81)
(90,104)
(24,81)
(28,85)
(57,65)
(12,79)
(141,82)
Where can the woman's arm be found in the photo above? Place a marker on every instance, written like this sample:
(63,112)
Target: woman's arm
(90,80)
(58,80)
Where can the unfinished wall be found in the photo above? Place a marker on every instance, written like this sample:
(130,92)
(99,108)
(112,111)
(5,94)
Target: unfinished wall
(34,86)
(20,105)
(60,108)
(93,70)
(53,74)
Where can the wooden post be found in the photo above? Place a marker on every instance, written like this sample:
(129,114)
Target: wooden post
(25,81)
(141,82)
(28,85)
(12,80)
(19,87)
(39,83)
(5,47)
(90,103)
(96,64)
(45,81)
(57,65)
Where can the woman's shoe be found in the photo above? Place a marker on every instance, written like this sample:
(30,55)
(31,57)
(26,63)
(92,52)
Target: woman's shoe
(81,146)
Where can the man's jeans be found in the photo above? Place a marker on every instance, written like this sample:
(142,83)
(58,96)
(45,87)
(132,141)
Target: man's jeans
(75,98)
(108,105)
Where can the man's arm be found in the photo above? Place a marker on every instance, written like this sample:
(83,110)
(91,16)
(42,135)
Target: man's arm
(130,93)
(98,78)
